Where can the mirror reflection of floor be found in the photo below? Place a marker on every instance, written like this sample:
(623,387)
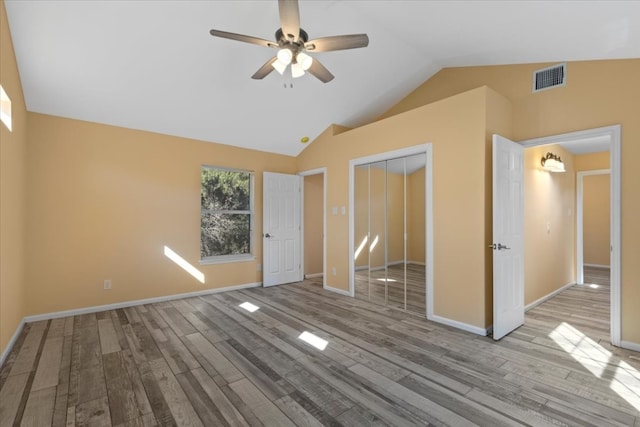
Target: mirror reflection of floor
(370,286)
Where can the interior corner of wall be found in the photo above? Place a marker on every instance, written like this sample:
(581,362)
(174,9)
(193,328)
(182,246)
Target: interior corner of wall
(338,129)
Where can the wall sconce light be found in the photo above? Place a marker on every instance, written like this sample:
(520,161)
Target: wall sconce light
(552,163)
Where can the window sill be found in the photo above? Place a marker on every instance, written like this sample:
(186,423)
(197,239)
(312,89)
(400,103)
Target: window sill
(227,259)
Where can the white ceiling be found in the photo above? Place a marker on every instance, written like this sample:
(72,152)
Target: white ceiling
(594,144)
(152,65)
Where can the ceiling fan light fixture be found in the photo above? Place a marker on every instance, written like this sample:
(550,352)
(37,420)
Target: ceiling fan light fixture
(296,70)
(285,56)
(279,66)
(304,60)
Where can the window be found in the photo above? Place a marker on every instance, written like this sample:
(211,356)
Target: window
(226,219)
(5,108)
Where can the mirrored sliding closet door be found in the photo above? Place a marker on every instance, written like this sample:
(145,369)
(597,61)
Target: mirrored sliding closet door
(389,258)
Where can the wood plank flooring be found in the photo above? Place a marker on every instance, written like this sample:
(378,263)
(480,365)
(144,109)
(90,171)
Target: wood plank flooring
(208,362)
(388,287)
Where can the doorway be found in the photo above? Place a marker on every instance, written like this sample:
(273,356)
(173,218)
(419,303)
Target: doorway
(612,134)
(390,221)
(314,225)
(592,223)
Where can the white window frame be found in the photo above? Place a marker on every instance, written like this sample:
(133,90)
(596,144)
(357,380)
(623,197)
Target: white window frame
(218,259)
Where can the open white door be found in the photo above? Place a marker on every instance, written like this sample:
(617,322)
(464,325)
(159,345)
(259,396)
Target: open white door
(508,236)
(281,229)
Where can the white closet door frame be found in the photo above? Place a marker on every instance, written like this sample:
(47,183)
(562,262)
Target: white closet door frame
(403,152)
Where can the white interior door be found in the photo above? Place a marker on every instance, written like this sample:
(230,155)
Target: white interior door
(508,236)
(281,229)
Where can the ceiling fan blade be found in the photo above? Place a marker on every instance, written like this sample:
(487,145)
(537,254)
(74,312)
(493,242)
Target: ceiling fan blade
(320,71)
(289,18)
(327,44)
(242,38)
(265,69)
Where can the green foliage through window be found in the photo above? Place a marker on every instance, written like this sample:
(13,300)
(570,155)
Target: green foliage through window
(226,210)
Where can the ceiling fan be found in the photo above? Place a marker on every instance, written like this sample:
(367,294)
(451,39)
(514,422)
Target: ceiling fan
(293,44)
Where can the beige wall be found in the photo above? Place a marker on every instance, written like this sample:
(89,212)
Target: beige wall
(549,221)
(596,217)
(396,217)
(592,161)
(587,101)
(13,178)
(416,217)
(457,129)
(377,217)
(104,201)
(596,223)
(313,210)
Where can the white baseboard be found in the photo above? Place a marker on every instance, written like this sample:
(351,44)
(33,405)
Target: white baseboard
(546,297)
(337,291)
(362,267)
(11,342)
(124,304)
(395,262)
(596,265)
(629,345)
(313,275)
(416,263)
(459,325)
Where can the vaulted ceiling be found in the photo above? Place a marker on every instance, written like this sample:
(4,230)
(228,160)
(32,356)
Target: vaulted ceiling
(152,65)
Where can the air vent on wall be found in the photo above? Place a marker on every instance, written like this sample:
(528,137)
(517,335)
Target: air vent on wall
(550,77)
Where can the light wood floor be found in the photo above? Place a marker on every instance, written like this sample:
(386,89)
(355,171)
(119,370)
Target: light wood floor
(370,286)
(206,361)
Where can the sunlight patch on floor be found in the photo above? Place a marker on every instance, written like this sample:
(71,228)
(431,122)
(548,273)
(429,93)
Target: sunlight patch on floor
(249,307)
(582,348)
(626,382)
(596,359)
(314,340)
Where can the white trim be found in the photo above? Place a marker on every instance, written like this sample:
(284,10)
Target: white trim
(11,342)
(614,133)
(317,171)
(580,220)
(224,259)
(313,275)
(629,345)
(417,263)
(547,297)
(403,152)
(597,265)
(460,325)
(428,213)
(114,306)
(338,291)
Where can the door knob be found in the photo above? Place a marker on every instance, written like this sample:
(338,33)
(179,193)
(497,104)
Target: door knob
(268,236)
(499,246)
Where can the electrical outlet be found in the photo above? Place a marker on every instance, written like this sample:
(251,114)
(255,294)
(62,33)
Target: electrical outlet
(333,271)
(107,284)
(259,267)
